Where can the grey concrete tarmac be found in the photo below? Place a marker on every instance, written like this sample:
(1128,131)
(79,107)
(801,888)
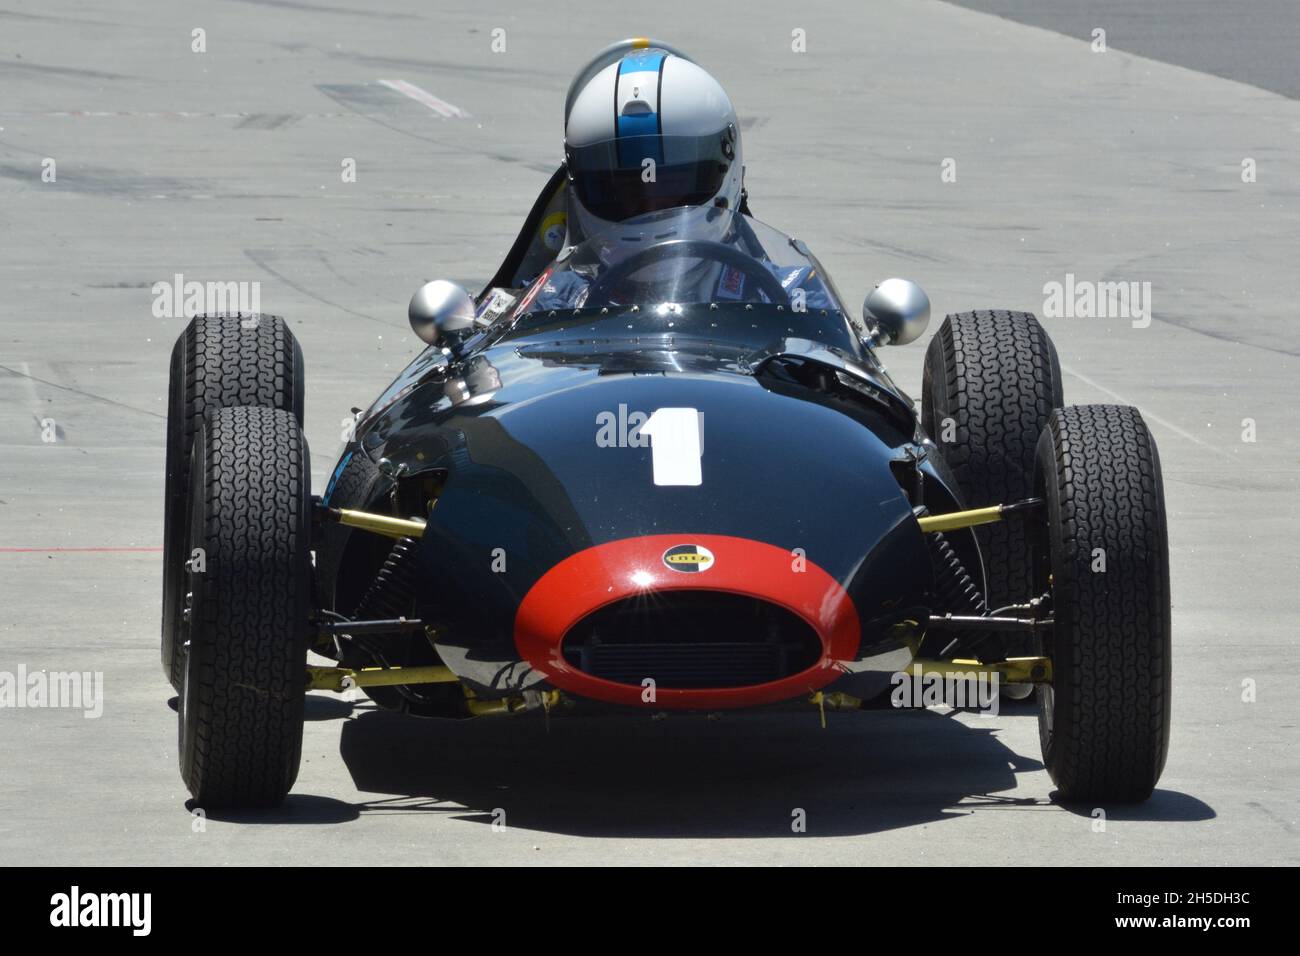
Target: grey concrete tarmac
(225,166)
(1252,41)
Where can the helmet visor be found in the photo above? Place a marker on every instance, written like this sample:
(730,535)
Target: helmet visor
(620,178)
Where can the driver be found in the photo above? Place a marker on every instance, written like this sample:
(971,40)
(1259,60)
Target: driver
(670,140)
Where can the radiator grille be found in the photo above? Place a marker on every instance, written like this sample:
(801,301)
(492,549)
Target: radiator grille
(692,640)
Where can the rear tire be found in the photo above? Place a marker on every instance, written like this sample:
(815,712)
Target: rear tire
(1104,720)
(245,648)
(219,361)
(990,381)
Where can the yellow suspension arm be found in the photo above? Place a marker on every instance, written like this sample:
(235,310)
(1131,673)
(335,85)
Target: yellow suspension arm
(1014,670)
(956,520)
(380,524)
(339,678)
(960,519)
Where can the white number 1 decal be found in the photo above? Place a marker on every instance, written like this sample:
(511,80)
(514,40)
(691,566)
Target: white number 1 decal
(676,445)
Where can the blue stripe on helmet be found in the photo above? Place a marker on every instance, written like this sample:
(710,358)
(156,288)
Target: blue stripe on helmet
(641,61)
(644,126)
(638,140)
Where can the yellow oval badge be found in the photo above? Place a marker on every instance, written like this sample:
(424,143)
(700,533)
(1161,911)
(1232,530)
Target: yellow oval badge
(689,558)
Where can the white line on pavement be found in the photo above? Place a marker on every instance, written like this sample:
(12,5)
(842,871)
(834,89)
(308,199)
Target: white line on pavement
(1146,414)
(425,98)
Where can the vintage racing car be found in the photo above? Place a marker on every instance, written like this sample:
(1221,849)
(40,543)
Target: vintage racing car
(695,487)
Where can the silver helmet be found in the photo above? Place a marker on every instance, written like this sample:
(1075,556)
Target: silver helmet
(650,131)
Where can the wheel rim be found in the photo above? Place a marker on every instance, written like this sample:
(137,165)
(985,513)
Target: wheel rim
(1044,583)
(183,709)
(188,612)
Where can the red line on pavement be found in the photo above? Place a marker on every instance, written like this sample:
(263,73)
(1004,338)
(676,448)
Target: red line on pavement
(48,550)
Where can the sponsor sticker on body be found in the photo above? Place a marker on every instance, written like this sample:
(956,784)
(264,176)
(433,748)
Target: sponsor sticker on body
(731,284)
(494,306)
(688,558)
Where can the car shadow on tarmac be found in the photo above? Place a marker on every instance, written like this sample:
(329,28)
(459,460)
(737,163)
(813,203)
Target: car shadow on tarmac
(688,776)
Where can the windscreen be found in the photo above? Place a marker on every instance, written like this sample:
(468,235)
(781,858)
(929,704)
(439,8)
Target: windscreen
(683,256)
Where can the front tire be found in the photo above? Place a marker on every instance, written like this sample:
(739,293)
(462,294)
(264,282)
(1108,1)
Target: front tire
(245,648)
(1104,720)
(219,361)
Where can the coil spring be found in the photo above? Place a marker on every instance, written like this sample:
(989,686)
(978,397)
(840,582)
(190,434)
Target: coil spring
(954,587)
(392,593)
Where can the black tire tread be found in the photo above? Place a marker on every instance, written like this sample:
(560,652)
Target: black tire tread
(251,607)
(224,360)
(1111,641)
